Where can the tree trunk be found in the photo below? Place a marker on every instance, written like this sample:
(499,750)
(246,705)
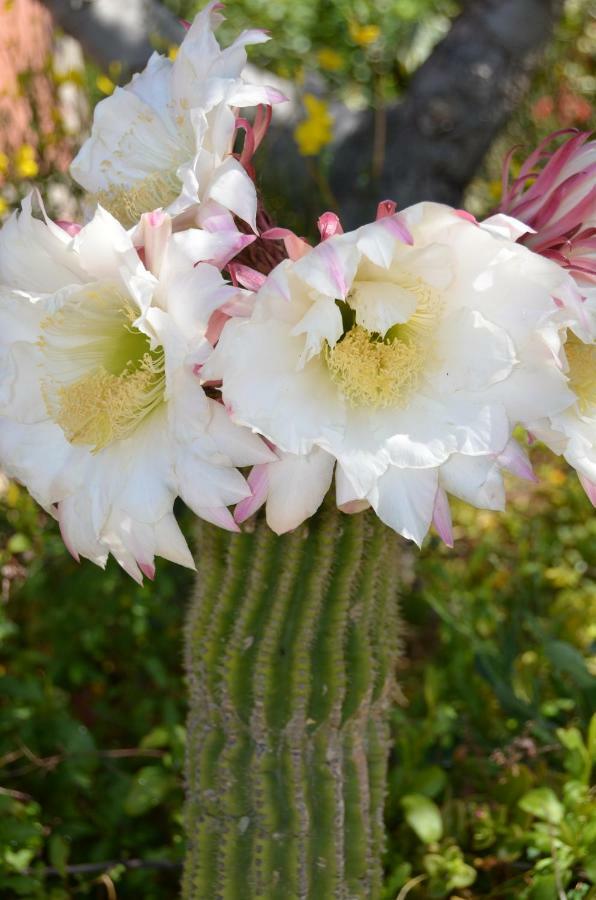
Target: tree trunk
(291,646)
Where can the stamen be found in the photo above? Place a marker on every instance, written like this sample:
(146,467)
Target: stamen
(374,370)
(128,204)
(103,379)
(582,371)
(101,408)
(371,372)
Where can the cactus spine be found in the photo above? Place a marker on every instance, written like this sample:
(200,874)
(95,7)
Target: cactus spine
(290,651)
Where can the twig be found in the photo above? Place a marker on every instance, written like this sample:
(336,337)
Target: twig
(105,866)
(50,762)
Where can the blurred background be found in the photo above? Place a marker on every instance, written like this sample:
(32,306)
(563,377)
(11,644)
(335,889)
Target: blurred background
(494,739)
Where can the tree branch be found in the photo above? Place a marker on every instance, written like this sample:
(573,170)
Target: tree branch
(455,106)
(112,30)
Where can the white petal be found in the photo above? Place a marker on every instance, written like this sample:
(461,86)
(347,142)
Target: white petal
(379,305)
(477,480)
(405,501)
(297,487)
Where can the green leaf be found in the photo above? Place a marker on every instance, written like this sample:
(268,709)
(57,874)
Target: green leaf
(424,817)
(544,804)
(59,851)
(592,738)
(149,786)
(544,887)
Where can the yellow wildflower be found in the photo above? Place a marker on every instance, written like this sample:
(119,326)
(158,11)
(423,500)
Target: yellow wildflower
(25,162)
(105,84)
(3,163)
(3,207)
(330,60)
(172,52)
(363,35)
(316,131)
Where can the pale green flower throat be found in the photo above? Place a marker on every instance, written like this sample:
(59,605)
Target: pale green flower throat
(102,377)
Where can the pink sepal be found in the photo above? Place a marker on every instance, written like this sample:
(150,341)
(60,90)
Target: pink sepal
(156,230)
(589,487)
(515,460)
(468,217)
(386,208)
(246,276)
(148,570)
(217,321)
(442,517)
(329,225)
(296,247)
(258,482)
(71,228)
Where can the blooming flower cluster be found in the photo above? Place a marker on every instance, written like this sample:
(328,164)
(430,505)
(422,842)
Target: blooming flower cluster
(143,358)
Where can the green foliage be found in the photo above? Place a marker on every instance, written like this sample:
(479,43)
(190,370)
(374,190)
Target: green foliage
(496,730)
(91,717)
(491,783)
(494,742)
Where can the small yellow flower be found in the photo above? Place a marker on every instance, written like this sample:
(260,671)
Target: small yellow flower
(3,163)
(364,35)
(3,207)
(105,84)
(25,162)
(316,131)
(330,60)
(173,52)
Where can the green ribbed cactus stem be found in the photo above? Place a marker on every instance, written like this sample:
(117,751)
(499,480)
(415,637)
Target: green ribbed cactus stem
(291,646)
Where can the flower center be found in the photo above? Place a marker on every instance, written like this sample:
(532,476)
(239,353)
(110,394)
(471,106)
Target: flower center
(582,371)
(103,379)
(127,204)
(375,370)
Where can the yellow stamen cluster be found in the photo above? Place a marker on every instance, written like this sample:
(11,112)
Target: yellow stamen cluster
(100,407)
(102,378)
(582,371)
(372,372)
(377,371)
(127,204)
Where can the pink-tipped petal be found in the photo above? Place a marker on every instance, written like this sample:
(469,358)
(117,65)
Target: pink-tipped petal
(148,570)
(329,225)
(398,228)
(589,487)
(442,517)
(515,460)
(334,268)
(258,481)
(296,247)
(220,516)
(468,217)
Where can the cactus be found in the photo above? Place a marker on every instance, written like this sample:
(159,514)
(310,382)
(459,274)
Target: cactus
(290,650)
